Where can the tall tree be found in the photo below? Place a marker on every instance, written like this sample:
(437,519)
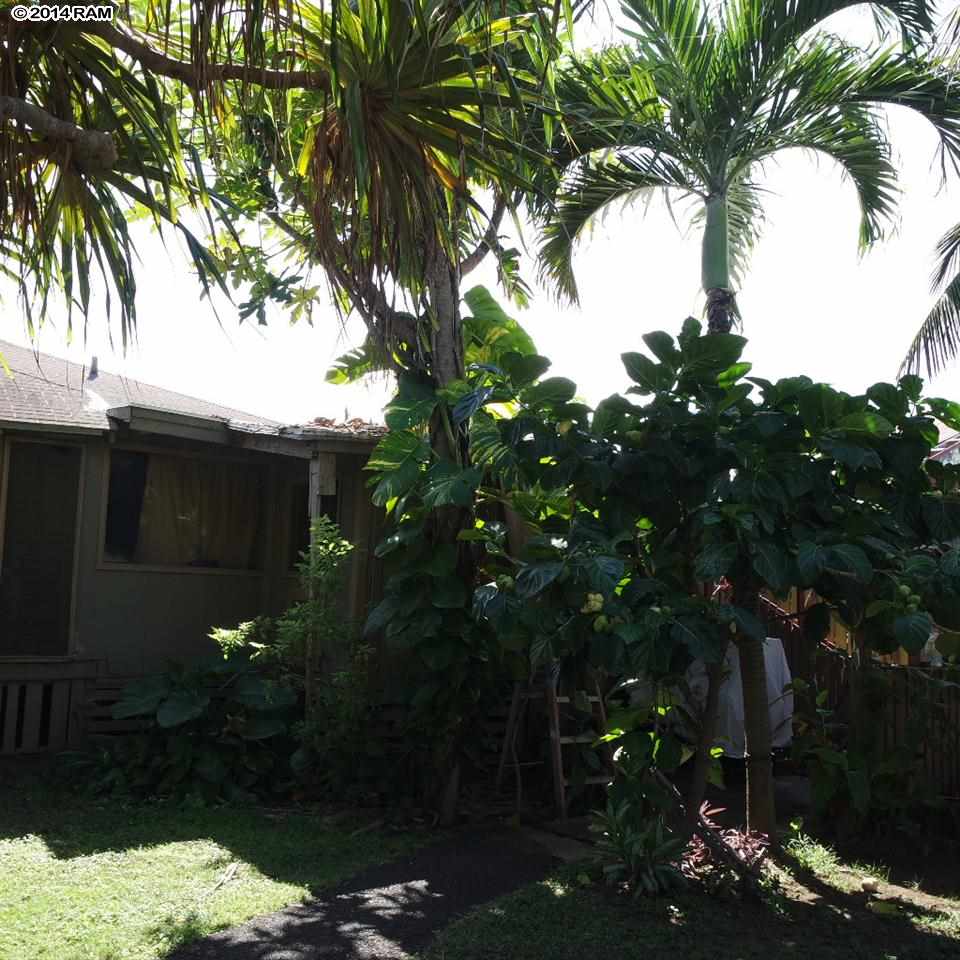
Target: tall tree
(363,132)
(937,342)
(705,96)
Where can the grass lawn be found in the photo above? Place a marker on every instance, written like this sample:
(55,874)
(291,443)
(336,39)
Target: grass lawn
(817,910)
(81,880)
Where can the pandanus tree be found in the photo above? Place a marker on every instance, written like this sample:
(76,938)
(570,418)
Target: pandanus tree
(362,132)
(704,97)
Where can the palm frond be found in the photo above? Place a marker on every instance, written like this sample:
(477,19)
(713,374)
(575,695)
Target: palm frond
(763,31)
(590,189)
(937,342)
(677,36)
(948,258)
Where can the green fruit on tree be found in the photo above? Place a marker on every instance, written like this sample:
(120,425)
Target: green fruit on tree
(601,623)
(903,590)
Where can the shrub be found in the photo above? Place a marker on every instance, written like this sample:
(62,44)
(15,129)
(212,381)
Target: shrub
(208,733)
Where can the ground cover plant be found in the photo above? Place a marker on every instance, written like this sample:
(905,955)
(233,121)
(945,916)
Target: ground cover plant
(84,880)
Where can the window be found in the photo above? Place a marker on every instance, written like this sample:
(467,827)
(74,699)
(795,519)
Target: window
(167,510)
(299,532)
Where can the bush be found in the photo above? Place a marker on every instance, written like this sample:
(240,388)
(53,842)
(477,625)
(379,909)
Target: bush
(208,733)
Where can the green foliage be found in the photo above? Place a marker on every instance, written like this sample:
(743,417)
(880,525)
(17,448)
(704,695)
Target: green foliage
(207,733)
(340,749)
(860,785)
(637,846)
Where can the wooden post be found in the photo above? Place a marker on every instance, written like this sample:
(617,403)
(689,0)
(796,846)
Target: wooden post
(323,482)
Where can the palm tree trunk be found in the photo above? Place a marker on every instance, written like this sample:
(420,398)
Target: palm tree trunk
(721,309)
(715,266)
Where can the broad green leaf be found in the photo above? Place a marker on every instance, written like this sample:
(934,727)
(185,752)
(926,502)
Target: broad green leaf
(446,484)
(470,403)
(550,392)
(716,352)
(523,370)
(912,386)
(811,559)
(714,561)
(733,373)
(734,395)
(941,514)
(650,377)
(912,631)
(397,458)
(946,411)
(662,346)
(851,455)
(771,564)
(181,707)
(141,698)
(603,573)
(950,563)
(264,724)
(867,422)
(413,405)
(851,559)
(534,578)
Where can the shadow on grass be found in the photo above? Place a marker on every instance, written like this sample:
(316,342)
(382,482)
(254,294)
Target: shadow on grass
(385,910)
(389,910)
(567,921)
(305,848)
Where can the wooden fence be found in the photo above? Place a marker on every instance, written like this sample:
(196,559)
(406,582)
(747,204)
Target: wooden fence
(42,705)
(921,704)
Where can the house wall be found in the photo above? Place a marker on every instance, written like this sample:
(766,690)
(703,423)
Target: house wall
(132,620)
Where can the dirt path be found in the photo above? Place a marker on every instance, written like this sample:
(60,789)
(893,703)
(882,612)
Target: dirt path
(389,911)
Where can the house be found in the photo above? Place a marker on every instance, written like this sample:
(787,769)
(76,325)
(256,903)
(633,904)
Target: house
(134,519)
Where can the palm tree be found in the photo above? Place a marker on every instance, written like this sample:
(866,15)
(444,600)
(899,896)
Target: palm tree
(708,94)
(703,98)
(937,342)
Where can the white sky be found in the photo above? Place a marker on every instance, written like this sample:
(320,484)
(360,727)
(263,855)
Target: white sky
(811,305)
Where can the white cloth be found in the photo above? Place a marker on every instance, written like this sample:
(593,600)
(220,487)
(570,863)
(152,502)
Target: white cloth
(730,729)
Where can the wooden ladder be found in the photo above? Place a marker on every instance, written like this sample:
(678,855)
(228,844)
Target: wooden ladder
(546,688)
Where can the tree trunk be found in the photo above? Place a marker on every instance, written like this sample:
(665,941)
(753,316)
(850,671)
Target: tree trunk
(707,737)
(761,809)
(721,310)
(450,443)
(715,266)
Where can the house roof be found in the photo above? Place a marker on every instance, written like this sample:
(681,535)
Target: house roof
(49,391)
(947,450)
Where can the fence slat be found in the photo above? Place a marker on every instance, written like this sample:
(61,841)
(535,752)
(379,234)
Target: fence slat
(14,691)
(59,714)
(32,718)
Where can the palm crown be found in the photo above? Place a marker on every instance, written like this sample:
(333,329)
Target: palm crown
(708,93)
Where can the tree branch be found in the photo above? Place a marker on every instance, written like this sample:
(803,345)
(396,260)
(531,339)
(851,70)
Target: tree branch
(93,151)
(190,74)
(489,240)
